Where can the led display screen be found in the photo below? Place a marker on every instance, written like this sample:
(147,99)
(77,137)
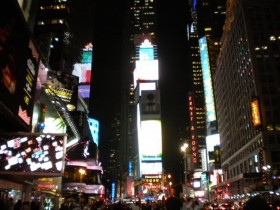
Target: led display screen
(255,110)
(150,147)
(146,70)
(31,153)
(94,129)
(83,71)
(19,61)
(86,56)
(65,86)
(207,80)
(84,90)
(146,51)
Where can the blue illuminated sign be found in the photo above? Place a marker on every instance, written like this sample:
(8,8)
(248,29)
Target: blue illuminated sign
(207,80)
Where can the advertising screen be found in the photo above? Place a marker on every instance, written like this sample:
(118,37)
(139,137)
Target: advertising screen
(84,90)
(65,86)
(146,70)
(150,147)
(94,129)
(83,71)
(146,51)
(32,153)
(19,61)
(207,80)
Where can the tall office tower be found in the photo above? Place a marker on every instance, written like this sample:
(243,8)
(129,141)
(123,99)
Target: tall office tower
(141,26)
(52,32)
(112,174)
(210,18)
(55,32)
(196,96)
(147,97)
(246,84)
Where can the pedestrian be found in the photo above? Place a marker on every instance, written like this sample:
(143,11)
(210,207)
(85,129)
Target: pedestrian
(18,205)
(25,206)
(257,203)
(173,202)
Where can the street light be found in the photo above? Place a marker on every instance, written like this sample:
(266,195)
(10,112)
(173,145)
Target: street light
(266,169)
(184,149)
(82,172)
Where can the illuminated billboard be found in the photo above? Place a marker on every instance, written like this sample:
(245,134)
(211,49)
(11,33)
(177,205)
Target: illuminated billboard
(150,147)
(147,86)
(19,61)
(146,70)
(146,51)
(83,71)
(87,53)
(84,90)
(255,110)
(207,81)
(94,129)
(32,154)
(65,86)
(212,141)
(192,115)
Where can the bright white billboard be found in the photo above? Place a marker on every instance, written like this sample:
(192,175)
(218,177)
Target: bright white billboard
(83,71)
(146,70)
(211,141)
(150,147)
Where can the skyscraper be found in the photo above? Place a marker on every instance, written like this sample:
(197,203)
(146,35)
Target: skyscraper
(142,26)
(247,97)
(204,38)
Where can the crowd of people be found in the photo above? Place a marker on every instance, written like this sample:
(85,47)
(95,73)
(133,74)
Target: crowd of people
(9,204)
(172,202)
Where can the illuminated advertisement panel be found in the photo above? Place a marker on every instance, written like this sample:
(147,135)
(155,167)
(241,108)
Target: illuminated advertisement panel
(84,90)
(94,129)
(194,147)
(54,125)
(146,51)
(49,185)
(213,149)
(150,147)
(212,141)
(256,116)
(83,71)
(32,153)
(64,86)
(146,70)
(207,81)
(146,86)
(19,61)
(87,53)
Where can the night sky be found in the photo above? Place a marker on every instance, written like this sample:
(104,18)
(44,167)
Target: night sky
(174,71)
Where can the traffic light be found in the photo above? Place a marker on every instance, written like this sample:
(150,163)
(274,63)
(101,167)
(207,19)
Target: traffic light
(228,184)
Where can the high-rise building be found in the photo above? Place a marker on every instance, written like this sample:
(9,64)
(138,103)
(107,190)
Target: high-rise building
(55,32)
(211,18)
(246,84)
(142,25)
(196,96)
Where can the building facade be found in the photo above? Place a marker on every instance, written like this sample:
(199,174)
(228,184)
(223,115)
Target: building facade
(246,92)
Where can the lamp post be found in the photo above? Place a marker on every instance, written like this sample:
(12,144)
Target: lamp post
(184,149)
(266,169)
(82,172)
